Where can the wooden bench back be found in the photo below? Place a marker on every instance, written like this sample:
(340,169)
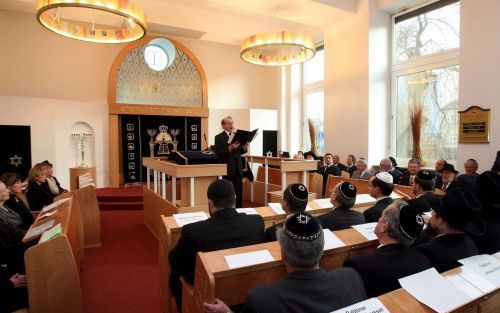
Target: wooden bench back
(53,266)
(274,175)
(213,278)
(91,217)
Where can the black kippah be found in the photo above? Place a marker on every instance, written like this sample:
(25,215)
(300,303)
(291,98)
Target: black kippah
(298,192)
(220,189)
(302,226)
(425,176)
(347,190)
(410,221)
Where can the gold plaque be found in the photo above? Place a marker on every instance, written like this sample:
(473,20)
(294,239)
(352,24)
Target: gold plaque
(474,125)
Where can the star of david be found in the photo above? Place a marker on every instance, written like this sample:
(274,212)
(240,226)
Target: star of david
(303,219)
(269,154)
(16,160)
(302,188)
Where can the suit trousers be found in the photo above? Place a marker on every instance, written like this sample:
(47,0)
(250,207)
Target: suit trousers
(238,188)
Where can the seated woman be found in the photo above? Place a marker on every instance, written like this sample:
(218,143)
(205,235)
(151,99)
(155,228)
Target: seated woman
(15,201)
(53,183)
(39,193)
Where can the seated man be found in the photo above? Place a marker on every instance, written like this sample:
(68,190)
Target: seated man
(337,164)
(295,198)
(448,177)
(423,188)
(380,187)
(471,167)
(453,214)
(328,169)
(488,189)
(341,217)
(386,166)
(351,164)
(399,225)
(440,164)
(362,171)
(409,176)
(225,229)
(306,287)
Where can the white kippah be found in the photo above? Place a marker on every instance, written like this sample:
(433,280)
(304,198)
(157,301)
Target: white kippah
(385,177)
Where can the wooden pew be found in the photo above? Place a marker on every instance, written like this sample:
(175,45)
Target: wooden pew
(53,266)
(91,217)
(400,300)
(213,278)
(362,186)
(169,235)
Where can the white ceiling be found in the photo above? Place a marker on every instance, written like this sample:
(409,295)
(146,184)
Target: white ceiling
(229,21)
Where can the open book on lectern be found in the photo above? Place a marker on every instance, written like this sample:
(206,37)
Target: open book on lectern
(242,136)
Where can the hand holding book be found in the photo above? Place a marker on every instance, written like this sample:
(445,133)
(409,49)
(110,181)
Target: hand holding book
(242,137)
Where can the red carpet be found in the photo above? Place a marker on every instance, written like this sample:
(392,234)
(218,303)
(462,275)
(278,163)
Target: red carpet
(122,275)
(126,198)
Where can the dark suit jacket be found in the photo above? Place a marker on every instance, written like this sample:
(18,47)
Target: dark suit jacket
(438,181)
(381,270)
(373,213)
(225,229)
(489,242)
(328,170)
(341,218)
(351,169)
(39,196)
(231,158)
(421,203)
(341,167)
(18,206)
(405,179)
(451,186)
(444,251)
(270,232)
(307,291)
(396,176)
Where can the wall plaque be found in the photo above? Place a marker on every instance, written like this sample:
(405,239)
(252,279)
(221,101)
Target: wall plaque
(474,125)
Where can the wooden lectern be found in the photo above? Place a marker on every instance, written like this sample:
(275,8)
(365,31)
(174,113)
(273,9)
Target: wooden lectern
(189,194)
(290,171)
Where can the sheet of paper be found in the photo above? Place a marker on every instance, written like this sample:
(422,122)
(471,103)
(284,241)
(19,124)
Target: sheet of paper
(53,205)
(188,218)
(395,195)
(276,207)
(248,258)
(308,208)
(442,297)
(476,280)
(47,214)
(38,230)
(324,203)
(248,211)
(370,305)
(331,240)
(363,198)
(464,285)
(428,214)
(486,266)
(367,230)
(51,233)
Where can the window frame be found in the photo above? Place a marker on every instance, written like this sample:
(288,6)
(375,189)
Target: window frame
(436,60)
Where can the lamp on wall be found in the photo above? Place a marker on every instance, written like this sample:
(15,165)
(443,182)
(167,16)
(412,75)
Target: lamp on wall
(277,48)
(159,54)
(102,21)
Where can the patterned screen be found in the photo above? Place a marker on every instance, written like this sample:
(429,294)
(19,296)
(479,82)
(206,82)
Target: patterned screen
(178,85)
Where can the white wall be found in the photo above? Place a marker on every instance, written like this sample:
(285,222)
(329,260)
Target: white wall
(51,82)
(479,72)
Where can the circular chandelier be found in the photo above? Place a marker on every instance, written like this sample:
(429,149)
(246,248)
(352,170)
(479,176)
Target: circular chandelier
(277,48)
(102,21)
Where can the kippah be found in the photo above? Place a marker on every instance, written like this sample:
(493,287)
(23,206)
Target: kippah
(220,189)
(298,192)
(410,221)
(347,190)
(425,176)
(385,177)
(303,227)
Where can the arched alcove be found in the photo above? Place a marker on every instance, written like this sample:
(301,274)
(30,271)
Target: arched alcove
(82,138)
(134,89)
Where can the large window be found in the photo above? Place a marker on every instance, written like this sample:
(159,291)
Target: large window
(313,100)
(425,77)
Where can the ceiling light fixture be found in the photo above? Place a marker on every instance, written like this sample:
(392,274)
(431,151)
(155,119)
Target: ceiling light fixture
(104,21)
(277,48)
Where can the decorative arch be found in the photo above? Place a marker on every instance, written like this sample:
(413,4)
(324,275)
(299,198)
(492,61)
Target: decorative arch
(158,107)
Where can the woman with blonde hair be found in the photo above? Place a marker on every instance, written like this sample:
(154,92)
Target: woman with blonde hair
(39,194)
(17,199)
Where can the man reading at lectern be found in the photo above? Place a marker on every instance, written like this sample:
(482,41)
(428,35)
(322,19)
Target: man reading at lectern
(231,155)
